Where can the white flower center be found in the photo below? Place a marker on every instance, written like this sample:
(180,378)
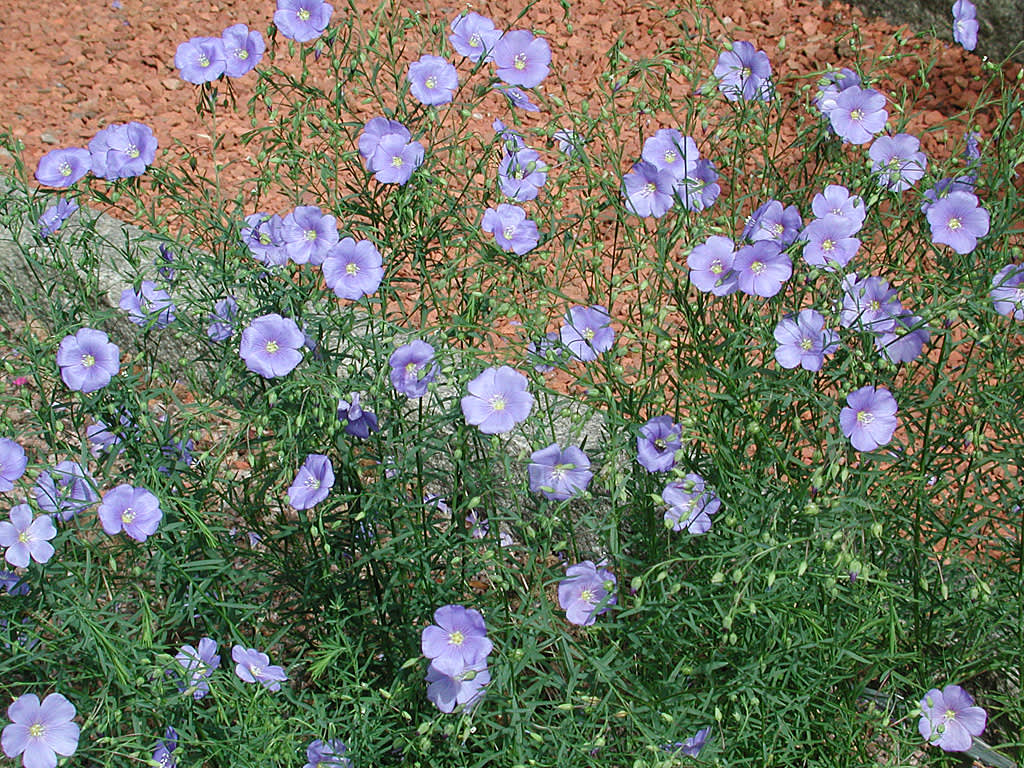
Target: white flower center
(127,515)
(498,402)
(204,60)
(670,156)
(757,267)
(955,223)
(36,730)
(64,168)
(132,151)
(806,344)
(856,115)
(241,53)
(431,82)
(352,268)
(508,232)
(396,161)
(865,417)
(311,234)
(272,347)
(303,14)
(520,61)
(456,638)
(88,361)
(475,41)
(828,245)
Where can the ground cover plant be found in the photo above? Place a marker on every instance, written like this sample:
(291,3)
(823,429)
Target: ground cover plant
(670,431)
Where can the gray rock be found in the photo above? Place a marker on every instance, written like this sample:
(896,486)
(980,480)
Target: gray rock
(1000,22)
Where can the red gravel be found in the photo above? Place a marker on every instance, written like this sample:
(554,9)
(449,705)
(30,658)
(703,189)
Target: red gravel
(68,69)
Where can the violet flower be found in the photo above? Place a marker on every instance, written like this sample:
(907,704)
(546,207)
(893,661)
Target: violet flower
(12,463)
(587,332)
(517,97)
(671,152)
(198,665)
(40,731)
(690,505)
(302,20)
(474,36)
(263,237)
(413,368)
(122,150)
(869,304)
(451,685)
(711,265)
(558,473)
(359,422)
(201,59)
(88,360)
(63,167)
(66,490)
(432,80)
(586,592)
(163,753)
(222,319)
(950,720)
(54,216)
(869,420)
(270,345)
(1007,292)
(375,130)
(27,538)
(313,482)
(657,443)
(498,400)
(897,161)
(243,50)
(458,634)
(859,114)
(394,159)
(837,201)
(744,73)
(511,229)
(905,341)
(149,306)
(762,268)
(804,341)
(308,234)
(252,666)
(958,220)
(134,511)
(829,243)
(648,191)
(327,754)
(521,59)
(522,174)
(965,24)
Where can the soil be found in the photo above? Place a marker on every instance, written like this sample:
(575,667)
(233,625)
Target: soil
(69,69)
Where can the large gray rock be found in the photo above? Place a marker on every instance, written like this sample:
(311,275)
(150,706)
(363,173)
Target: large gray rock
(1000,22)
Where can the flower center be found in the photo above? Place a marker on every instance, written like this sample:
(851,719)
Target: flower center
(716,267)
(36,730)
(23,537)
(587,596)
(670,156)
(806,344)
(241,53)
(430,82)
(311,234)
(520,61)
(836,211)
(777,229)
(352,268)
(312,482)
(660,444)
(498,402)
(204,60)
(744,73)
(828,245)
(88,361)
(456,638)
(254,670)
(649,189)
(475,41)
(132,151)
(410,368)
(127,515)
(508,232)
(757,267)
(264,238)
(856,115)
(272,347)
(303,14)
(396,161)
(64,168)
(865,417)
(955,223)
(874,305)
(559,471)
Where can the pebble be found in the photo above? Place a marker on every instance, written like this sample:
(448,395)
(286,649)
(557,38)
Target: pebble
(48,138)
